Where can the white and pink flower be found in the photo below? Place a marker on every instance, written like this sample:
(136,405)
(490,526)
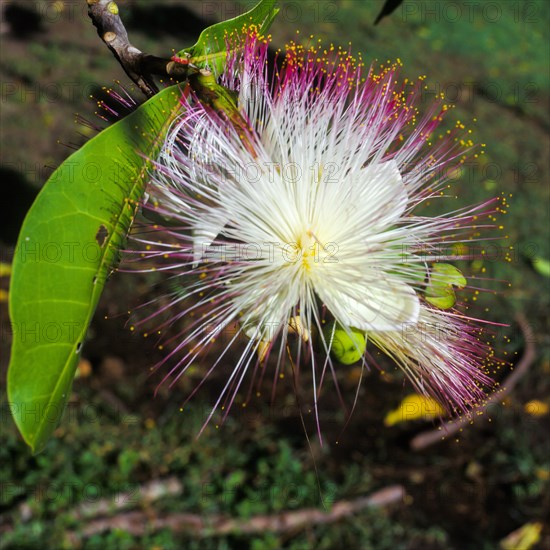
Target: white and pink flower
(307,214)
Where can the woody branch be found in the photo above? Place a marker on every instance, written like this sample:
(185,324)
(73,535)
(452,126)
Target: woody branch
(139,66)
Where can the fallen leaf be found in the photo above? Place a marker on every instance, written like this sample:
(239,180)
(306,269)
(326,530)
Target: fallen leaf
(414,407)
(523,538)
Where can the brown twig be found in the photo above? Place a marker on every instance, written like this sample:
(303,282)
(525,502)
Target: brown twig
(138,522)
(141,495)
(139,66)
(425,439)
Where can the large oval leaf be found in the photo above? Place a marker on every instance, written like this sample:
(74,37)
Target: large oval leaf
(68,245)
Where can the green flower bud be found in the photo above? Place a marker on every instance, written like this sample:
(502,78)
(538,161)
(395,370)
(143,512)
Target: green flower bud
(347,345)
(440,292)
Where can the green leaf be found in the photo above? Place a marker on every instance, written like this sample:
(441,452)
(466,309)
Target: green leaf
(211,49)
(68,245)
(541,266)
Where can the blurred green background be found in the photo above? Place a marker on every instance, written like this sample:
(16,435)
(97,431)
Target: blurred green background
(491,59)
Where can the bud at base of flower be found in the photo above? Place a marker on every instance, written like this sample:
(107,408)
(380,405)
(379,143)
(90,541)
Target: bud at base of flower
(346,345)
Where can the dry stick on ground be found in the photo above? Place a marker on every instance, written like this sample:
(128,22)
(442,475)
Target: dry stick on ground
(140,522)
(425,439)
(140,495)
(139,66)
